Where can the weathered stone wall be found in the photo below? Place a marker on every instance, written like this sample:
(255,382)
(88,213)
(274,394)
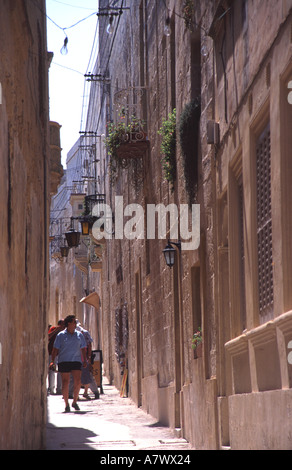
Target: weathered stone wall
(158,299)
(24,202)
(252,57)
(237,61)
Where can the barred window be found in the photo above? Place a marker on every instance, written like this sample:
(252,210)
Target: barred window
(264,225)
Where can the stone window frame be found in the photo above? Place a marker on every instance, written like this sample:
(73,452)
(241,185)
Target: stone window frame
(237,252)
(261,121)
(260,344)
(264,224)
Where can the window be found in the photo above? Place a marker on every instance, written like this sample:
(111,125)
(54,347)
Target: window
(264,225)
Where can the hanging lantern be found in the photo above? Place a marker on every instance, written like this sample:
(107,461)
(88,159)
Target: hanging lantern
(85,227)
(64,251)
(73,238)
(169,252)
(87,222)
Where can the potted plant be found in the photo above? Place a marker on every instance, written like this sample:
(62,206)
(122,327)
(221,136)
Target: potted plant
(197,343)
(125,141)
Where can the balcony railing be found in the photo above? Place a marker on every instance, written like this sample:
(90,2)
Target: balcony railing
(130,114)
(129,102)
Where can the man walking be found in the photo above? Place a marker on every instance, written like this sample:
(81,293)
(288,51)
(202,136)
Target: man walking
(70,347)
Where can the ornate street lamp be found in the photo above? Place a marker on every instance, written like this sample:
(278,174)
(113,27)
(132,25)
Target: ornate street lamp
(72,237)
(84,226)
(169,252)
(87,222)
(64,251)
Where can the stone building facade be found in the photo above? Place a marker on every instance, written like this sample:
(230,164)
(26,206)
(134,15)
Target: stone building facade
(29,175)
(225,67)
(252,220)
(74,272)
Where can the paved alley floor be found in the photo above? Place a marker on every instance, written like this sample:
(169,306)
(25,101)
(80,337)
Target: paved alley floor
(108,423)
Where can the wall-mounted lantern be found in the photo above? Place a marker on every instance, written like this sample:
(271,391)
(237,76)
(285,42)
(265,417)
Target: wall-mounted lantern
(72,237)
(87,222)
(167,27)
(64,251)
(169,252)
(84,226)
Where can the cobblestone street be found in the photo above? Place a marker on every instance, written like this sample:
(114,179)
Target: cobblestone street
(109,423)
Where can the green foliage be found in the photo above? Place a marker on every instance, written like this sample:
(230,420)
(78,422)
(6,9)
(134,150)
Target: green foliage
(168,147)
(188,14)
(117,135)
(197,338)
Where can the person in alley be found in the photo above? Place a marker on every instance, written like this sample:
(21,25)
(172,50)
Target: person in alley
(70,347)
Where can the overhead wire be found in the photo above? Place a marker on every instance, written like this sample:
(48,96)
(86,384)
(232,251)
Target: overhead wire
(99,60)
(98,57)
(104,69)
(73,6)
(68,68)
(73,25)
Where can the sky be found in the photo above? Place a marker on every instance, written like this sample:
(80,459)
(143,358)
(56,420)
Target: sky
(66,73)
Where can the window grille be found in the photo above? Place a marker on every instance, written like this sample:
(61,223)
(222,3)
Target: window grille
(264,225)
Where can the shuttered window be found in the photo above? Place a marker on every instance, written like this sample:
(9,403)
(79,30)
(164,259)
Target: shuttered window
(264,225)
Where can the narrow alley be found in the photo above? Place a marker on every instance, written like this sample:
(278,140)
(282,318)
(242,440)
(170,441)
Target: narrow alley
(109,423)
(145,201)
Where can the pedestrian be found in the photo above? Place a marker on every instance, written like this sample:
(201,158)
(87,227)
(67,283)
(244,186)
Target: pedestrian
(52,333)
(70,347)
(87,379)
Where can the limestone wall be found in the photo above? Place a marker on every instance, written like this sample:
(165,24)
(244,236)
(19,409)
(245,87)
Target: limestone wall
(236,62)
(24,203)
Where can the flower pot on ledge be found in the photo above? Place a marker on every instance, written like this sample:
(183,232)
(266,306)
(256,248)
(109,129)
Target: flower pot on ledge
(132,147)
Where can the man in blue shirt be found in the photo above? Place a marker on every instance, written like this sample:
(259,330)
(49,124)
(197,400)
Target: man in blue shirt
(70,347)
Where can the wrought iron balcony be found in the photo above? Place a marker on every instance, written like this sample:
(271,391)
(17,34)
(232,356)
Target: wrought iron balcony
(92,200)
(130,122)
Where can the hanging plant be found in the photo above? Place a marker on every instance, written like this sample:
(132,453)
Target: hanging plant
(112,143)
(189,140)
(197,343)
(119,134)
(168,147)
(188,14)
